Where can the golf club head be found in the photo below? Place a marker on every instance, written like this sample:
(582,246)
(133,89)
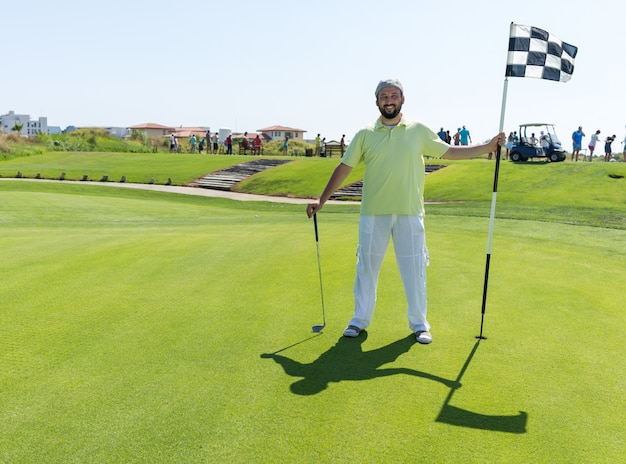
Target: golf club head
(318,328)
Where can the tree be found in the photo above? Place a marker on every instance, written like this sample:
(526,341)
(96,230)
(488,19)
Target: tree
(17,127)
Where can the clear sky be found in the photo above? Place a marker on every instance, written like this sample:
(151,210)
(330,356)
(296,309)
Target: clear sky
(312,65)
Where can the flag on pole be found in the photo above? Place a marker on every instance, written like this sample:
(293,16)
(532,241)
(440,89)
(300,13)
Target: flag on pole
(536,53)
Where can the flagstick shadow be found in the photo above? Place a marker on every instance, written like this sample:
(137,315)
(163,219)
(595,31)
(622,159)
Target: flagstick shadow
(346,361)
(460,417)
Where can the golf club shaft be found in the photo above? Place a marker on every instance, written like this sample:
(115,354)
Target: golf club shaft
(319,267)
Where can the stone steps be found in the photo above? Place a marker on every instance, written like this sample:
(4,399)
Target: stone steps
(355,189)
(226,178)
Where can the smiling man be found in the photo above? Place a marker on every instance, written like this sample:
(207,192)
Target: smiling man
(392,205)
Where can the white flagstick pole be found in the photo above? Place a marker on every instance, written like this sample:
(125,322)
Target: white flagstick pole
(493,210)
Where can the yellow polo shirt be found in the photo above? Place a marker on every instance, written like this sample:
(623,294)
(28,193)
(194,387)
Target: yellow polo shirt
(394,166)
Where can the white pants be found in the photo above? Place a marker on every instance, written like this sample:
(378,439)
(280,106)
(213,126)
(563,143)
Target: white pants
(411,255)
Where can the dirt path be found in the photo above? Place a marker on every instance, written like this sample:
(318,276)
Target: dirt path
(203,192)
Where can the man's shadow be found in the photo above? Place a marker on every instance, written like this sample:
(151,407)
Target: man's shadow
(346,360)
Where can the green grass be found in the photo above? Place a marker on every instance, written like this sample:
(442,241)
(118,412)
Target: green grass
(306,177)
(137,167)
(140,327)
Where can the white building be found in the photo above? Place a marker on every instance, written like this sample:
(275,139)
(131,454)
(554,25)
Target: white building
(280,132)
(29,127)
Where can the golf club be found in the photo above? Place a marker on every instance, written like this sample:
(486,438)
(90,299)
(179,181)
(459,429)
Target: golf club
(318,328)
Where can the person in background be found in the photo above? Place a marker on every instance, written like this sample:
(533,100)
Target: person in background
(257,145)
(592,144)
(392,205)
(285,146)
(216,143)
(245,143)
(457,137)
(465,136)
(544,142)
(577,142)
(172,143)
(229,144)
(509,144)
(607,148)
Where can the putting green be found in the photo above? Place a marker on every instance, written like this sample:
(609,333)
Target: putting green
(149,327)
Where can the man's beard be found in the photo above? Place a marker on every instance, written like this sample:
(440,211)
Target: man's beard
(390,114)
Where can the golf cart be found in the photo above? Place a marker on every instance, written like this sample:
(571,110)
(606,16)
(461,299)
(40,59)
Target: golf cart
(545,144)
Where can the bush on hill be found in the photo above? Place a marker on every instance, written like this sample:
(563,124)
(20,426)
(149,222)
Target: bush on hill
(89,140)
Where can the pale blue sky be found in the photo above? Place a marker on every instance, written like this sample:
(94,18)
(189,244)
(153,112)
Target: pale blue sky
(312,65)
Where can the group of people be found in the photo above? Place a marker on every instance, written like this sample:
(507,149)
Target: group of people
(577,141)
(320,145)
(543,140)
(210,143)
(461,137)
(256,146)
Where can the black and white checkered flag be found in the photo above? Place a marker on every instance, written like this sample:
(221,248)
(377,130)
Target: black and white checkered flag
(536,53)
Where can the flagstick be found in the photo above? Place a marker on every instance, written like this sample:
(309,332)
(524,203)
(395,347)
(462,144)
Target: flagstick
(492,218)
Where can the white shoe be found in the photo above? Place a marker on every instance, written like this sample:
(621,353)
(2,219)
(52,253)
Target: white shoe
(351,331)
(424,337)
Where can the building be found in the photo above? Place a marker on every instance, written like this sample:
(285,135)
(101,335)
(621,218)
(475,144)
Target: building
(28,127)
(280,132)
(152,130)
(119,132)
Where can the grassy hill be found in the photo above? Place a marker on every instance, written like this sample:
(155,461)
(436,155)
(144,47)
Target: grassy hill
(571,193)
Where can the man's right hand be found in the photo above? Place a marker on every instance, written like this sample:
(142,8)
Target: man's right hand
(312,208)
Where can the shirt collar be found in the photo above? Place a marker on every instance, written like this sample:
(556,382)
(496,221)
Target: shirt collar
(380,125)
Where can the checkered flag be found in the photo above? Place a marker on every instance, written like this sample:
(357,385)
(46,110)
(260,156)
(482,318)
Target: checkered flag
(536,53)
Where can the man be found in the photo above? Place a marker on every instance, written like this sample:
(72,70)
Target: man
(393,203)
(258,145)
(172,143)
(216,142)
(442,135)
(544,141)
(577,142)
(465,136)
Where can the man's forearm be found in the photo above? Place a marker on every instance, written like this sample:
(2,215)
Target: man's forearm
(338,176)
(465,152)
